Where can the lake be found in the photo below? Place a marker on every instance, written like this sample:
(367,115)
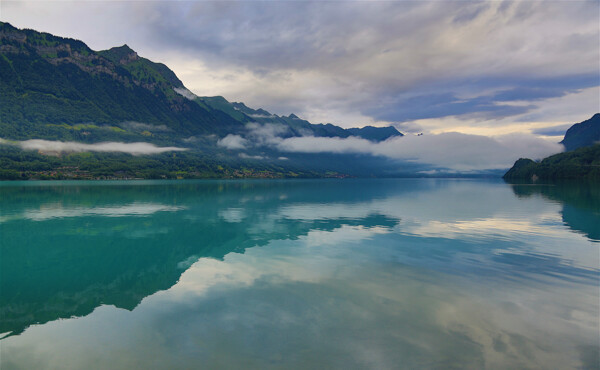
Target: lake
(300,274)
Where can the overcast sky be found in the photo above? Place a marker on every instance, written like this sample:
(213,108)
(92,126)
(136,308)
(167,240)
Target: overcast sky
(484,68)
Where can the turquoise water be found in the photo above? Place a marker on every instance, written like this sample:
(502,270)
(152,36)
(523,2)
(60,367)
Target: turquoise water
(381,274)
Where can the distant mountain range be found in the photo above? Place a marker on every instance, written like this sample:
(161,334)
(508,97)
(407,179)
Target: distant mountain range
(50,83)
(85,114)
(58,89)
(580,161)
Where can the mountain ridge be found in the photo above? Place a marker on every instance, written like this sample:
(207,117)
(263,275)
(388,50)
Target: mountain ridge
(580,161)
(158,95)
(583,133)
(59,90)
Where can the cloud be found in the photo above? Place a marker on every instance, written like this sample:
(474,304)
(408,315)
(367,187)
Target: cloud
(410,61)
(559,130)
(46,146)
(406,61)
(409,127)
(265,134)
(262,115)
(185,93)
(452,150)
(232,142)
(246,156)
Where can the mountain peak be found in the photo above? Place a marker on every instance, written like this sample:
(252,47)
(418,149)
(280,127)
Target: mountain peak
(583,133)
(120,54)
(293,116)
(7,26)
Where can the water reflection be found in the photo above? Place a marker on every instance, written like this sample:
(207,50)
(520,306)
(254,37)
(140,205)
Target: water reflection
(116,244)
(343,274)
(580,201)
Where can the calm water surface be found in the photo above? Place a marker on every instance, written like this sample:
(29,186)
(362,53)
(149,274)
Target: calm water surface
(381,274)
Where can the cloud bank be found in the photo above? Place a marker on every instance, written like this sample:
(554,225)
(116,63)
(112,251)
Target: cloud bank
(47,146)
(454,151)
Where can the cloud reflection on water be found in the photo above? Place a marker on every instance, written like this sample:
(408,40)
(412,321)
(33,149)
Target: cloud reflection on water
(418,276)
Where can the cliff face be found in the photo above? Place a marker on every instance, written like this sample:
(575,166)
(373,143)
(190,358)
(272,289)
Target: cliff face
(583,134)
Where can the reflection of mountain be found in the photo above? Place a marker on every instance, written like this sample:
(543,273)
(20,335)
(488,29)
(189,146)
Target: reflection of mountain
(580,201)
(66,250)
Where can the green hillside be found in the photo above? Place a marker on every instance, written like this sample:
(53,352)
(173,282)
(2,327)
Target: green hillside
(58,89)
(51,84)
(582,163)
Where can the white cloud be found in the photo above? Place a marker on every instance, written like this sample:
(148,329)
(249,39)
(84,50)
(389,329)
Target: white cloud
(262,115)
(185,93)
(232,142)
(265,134)
(47,146)
(452,150)
(246,156)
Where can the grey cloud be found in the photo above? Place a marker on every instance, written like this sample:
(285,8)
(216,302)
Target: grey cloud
(48,147)
(400,48)
(371,58)
(447,99)
(552,130)
(442,105)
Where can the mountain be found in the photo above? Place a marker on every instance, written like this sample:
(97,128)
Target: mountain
(58,89)
(582,159)
(374,133)
(581,163)
(297,126)
(50,83)
(583,134)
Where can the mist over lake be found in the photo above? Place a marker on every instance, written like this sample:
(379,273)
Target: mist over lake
(354,273)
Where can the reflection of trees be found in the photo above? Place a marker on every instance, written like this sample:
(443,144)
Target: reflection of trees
(63,267)
(580,201)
